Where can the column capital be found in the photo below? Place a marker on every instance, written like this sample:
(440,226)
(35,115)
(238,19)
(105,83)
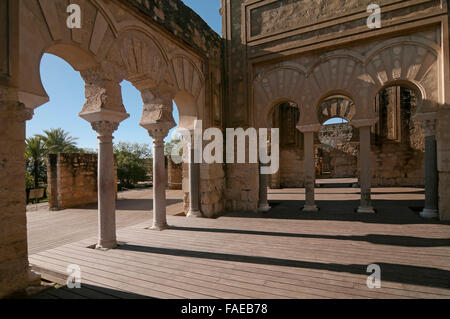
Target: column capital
(105,128)
(102,90)
(28,114)
(309,128)
(158,133)
(157,109)
(19,110)
(369,122)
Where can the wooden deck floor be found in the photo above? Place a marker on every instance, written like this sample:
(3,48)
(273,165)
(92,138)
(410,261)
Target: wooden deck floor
(283,254)
(71,225)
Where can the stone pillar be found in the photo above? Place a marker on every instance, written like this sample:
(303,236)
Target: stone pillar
(310,170)
(194,186)
(431,171)
(104,110)
(263,205)
(15,274)
(159,179)
(157,119)
(310,173)
(365,157)
(106,185)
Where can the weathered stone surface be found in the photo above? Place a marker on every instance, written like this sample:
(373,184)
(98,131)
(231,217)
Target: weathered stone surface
(175,175)
(13,232)
(443,140)
(72,180)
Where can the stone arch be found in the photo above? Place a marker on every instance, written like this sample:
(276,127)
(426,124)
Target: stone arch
(45,31)
(337,74)
(268,121)
(336,106)
(412,63)
(189,83)
(140,59)
(187,109)
(270,89)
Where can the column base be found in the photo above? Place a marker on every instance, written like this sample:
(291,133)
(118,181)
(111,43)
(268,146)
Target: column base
(160,227)
(264,208)
(106,245)
(366,210)
(310,209)
(194,214)
(429,213)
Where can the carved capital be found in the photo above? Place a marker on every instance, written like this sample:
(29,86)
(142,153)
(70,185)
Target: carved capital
(157,110)
(309,128)
(17,110)
(28,114)
(158,134)
(105,128)
(364,122)
(102,91)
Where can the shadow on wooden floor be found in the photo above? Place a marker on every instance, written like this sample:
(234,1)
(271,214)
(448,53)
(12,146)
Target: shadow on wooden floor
(86,292)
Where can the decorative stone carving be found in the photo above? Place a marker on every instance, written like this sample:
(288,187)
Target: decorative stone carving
(288,14)
(102,91)
(334,107)
(157,110)
(158,134)
(105,128)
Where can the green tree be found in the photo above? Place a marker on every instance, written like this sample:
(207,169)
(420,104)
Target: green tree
(35,153)
(131,162)
(174,147)
(59,141)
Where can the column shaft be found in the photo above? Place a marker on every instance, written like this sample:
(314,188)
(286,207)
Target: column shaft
(365,157)
(431,177)
(310,175)
(106,194)
(159,185)
(194,178)
(263,205)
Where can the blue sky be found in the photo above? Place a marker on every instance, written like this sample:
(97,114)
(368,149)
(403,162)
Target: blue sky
(65,88)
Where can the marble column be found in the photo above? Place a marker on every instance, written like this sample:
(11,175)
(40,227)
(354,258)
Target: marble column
(365,158)
(194,186)
(431,171)
(106,185)
(263,205)
(310,174)
(159,179)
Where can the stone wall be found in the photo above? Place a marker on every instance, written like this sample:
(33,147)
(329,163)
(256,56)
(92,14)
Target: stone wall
(242,185)
(443,140)
(292,168)
(212,186)
(72,180)
(290,50)
(175,175)
(181,21)
(395,164)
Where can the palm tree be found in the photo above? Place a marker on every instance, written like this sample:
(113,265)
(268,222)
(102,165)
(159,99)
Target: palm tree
(35,152)
(59,141)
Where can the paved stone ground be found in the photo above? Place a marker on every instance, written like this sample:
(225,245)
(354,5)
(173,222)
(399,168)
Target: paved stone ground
(48,229)
(281,254)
